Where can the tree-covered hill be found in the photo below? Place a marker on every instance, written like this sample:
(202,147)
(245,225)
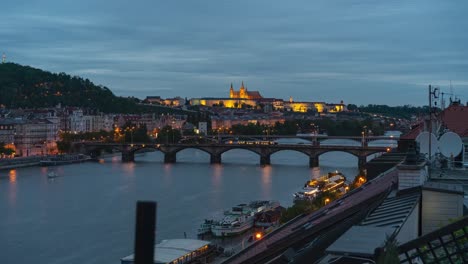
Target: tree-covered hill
(27,87)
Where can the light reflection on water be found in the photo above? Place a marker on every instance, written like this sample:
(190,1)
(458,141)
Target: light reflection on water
(95,202)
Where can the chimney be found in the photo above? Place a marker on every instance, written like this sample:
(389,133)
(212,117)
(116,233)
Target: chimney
(412,171)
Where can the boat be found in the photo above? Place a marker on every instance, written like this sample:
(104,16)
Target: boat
(52,174)
(331,182)
(237,220)
(205,228)
(64,159)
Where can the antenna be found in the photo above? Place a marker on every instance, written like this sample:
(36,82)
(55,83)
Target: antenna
(451,91)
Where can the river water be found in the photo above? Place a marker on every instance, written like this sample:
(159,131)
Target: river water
(87,214)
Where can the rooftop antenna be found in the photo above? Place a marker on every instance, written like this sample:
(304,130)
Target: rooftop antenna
(3,58)
(433,93)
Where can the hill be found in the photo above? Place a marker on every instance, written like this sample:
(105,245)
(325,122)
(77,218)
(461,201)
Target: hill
(27,87)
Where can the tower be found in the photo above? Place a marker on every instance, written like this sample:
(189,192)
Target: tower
(3,58)
(231,92)
(242,93)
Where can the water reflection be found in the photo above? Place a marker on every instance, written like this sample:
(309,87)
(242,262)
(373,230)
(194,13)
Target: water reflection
(266,180)
(129,168)
(12,188)
(217,170)
(12,176)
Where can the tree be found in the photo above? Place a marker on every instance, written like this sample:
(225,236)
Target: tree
(169,135)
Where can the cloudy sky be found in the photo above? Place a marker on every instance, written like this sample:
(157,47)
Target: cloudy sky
(362,52)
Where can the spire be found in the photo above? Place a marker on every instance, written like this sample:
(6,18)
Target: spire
(242,86)
(232,88)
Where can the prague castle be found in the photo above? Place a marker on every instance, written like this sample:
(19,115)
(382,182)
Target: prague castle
(244,94)
(252,99)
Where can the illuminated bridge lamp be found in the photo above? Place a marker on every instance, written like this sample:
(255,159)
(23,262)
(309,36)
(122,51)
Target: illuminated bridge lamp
(327,200)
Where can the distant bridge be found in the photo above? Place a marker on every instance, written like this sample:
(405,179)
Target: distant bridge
(215,150)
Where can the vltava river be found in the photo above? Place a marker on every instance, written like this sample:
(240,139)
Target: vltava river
(87,214)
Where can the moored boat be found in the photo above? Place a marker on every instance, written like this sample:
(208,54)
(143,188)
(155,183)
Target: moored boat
(64,159)
(237,220)
(331,182)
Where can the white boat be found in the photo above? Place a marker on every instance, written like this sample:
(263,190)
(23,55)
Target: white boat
(52,174)
(237,220)
(205,228)
(331,182)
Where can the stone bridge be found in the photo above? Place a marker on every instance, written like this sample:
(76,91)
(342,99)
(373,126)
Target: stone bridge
(215,150)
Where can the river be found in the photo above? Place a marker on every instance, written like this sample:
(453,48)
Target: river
(87,214)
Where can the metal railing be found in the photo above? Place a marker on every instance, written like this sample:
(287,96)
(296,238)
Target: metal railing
(448,244)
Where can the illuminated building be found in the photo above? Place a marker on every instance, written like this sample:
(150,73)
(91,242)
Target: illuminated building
(253,99)
(244,94)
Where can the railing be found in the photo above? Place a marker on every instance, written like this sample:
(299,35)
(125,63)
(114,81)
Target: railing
(448,244)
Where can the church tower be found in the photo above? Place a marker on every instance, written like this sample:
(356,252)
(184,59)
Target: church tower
(242,91)
(231,92)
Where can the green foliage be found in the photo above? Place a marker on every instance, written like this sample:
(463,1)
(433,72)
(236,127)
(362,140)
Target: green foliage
(405,111)
(331,127)
(27,87)
(4,150)
(169,135)
(306,207)
(64,146)
(389,255)
(134,133)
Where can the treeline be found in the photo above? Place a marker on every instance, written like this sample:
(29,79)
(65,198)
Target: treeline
(326,125)
(405,111)
(27,87)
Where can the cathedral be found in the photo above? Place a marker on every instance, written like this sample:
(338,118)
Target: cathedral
(244,94)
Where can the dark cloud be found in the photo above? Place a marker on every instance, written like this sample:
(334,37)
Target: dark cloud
(357,51)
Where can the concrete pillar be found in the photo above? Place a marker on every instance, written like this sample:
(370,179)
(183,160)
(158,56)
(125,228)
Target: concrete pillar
(314,161)
(362,161)
(215,158)
(128,156)
(170,157)
(265,160)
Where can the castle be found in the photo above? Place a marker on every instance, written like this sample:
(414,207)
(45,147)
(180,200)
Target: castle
(244,94)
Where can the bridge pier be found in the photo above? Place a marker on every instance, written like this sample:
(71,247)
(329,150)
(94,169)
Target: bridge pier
(170,157)
(314,161)
(362,161)
(265,160)
(128,156)
(215,158)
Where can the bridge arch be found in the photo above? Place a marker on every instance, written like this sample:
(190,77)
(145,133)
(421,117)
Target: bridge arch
(295,150)
(232,147)
(289,157)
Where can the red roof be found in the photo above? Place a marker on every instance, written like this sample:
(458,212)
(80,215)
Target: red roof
(414,132)
(455,118)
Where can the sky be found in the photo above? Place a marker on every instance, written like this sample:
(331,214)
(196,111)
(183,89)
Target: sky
(361,52)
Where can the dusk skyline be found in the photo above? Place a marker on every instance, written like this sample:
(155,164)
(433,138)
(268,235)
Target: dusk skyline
(361,52)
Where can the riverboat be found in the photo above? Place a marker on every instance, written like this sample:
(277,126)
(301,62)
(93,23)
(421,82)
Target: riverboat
(331,182)
(237,220)
(64,159)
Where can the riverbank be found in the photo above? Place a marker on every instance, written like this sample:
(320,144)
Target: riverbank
(8,164)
